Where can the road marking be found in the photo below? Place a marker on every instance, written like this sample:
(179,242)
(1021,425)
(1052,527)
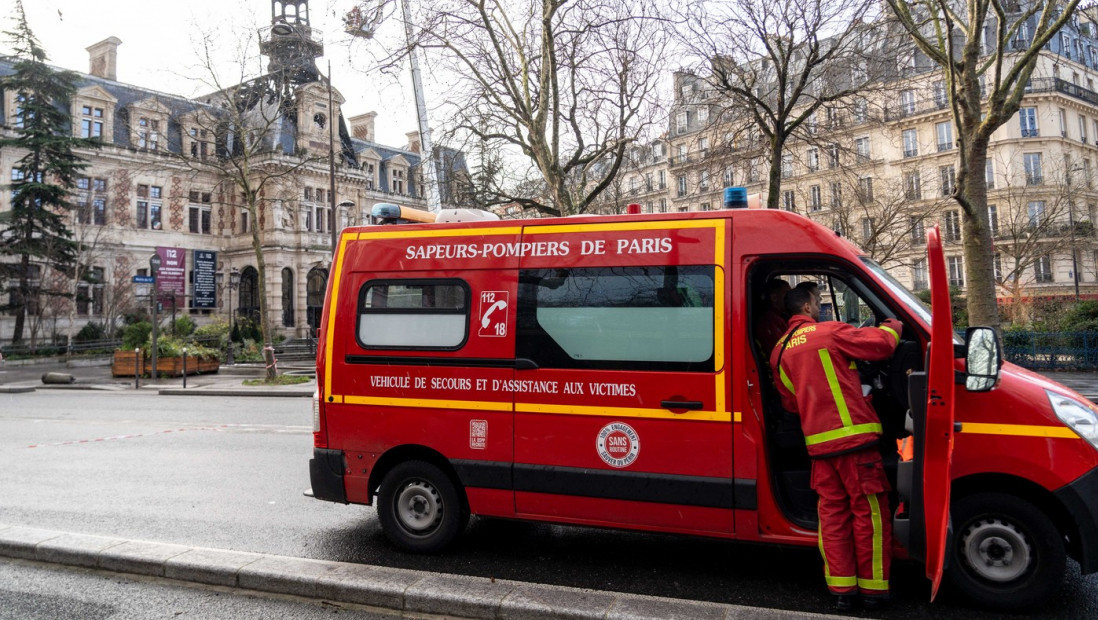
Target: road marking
(247,428)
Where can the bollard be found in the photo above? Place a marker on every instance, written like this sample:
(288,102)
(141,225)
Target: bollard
(137,369)
(58,378)
(184,368)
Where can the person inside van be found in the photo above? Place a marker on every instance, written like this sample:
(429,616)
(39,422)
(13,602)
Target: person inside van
(772,321)
(818,379)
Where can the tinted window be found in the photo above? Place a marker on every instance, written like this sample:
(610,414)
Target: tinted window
(629,318)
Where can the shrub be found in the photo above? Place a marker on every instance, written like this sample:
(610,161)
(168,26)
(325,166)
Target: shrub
(184,326)
(91,332)
(136,335)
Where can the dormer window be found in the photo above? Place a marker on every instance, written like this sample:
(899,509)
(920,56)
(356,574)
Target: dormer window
(398,182)
(148,133)
(91,122)
(200,145)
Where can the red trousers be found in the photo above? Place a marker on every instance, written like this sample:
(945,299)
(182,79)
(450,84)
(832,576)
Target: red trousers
(855,522)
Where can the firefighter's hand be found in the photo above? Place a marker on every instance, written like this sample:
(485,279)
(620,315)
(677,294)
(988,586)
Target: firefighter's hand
(893,325)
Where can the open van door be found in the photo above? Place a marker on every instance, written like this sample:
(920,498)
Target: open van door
(939,429)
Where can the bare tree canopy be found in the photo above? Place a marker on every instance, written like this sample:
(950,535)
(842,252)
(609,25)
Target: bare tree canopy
(777,63)
(570,84)
(987,50)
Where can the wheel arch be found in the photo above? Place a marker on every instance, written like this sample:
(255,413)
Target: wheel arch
(1041,498)
(414,452)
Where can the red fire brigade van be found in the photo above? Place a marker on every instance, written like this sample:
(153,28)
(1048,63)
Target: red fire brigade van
(601,371)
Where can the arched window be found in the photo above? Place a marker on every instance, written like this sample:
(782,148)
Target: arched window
(249,294)
(315,285)
(287,297)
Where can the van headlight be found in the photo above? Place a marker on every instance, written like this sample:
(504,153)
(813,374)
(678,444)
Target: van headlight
(1080,417)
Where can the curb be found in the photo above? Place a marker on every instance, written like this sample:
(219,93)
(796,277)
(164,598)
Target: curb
(259,392)
(401,590)
(15,389)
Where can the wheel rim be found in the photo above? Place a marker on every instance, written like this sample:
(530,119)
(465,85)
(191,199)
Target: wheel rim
(997,550)
(419,507)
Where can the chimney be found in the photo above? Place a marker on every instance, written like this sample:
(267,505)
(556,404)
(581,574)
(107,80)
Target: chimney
(103,58)
(413,141)
(362,126)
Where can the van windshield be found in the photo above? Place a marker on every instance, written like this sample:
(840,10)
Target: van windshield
(901,294)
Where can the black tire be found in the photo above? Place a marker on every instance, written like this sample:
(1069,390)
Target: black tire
(1007,554)
(419,507)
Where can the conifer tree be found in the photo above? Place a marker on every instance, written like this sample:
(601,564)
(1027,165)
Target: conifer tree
(35,231)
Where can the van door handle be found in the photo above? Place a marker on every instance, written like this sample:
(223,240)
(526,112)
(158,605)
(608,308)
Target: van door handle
(681,404)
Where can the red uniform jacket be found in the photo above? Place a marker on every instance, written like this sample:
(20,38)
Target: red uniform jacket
(819,381)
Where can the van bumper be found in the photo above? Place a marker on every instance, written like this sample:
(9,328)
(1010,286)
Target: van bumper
(326,475)
(1081,500)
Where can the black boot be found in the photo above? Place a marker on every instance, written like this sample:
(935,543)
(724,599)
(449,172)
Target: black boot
(876,601)
(845,602)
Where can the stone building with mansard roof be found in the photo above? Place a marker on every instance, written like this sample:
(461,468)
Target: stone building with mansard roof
(150,187)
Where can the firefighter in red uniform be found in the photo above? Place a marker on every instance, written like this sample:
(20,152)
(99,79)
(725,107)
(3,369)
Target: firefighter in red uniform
(816,376)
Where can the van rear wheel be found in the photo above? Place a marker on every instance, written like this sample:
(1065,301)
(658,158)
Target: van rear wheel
(1007,554)
(419,508)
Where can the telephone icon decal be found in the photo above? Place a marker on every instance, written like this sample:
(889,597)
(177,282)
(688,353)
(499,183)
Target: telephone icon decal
(493,314)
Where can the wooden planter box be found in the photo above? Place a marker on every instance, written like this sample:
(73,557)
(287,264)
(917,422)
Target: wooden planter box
(125,362)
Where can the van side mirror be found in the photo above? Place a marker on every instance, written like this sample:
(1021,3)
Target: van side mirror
(984,358)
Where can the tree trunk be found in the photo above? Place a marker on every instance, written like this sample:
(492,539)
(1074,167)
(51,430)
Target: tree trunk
(261,290)
(774,179)
(979,249)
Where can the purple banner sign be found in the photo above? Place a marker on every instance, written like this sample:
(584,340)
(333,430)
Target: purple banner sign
(172,277)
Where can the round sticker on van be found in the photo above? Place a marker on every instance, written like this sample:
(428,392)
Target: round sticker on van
(618,444)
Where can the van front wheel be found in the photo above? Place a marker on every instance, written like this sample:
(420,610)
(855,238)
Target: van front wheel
(1007,554)
(419,507)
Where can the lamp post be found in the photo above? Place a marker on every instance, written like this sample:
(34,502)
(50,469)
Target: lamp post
(154,268)
(234,281)
(346,204)
(1074,262)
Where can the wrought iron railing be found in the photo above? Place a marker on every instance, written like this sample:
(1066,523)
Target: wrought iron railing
(1052,350)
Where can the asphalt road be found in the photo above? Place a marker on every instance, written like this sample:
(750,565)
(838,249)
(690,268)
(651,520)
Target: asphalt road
(228,473)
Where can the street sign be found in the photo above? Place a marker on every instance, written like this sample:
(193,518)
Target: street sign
(205,280)
(143,279)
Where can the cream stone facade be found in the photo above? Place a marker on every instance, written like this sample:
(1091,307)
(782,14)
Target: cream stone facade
(879,170)
(152,185)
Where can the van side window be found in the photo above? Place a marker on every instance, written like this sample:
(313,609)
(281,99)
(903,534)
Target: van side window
(419,314)
(617,318)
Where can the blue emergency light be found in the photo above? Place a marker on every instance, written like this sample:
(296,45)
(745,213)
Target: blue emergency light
(385,210)
(735,198)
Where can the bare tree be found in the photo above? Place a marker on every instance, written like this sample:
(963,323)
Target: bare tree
(1030,224)
(776,64)
(985,84)
(235,135)
(569,84)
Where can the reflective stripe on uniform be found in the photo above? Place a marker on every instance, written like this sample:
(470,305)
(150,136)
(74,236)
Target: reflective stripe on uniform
(833,383)
(891,331)
(785,380)
(873,584)
(841,582)
(846,431)
(878,543)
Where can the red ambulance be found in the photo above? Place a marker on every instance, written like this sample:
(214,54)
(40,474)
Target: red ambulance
(601,371)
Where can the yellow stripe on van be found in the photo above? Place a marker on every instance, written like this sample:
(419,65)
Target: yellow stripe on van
(624,412)
(1019,430)
(428,403)
(737,417)
(329,337)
